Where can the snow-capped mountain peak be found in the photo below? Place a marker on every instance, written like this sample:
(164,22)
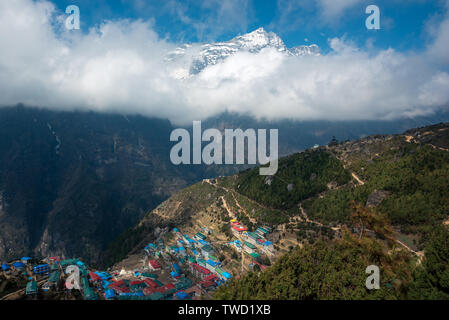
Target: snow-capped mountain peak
(259,39)
(200,57)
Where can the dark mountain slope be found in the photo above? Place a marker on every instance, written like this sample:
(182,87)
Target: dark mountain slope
(71,182)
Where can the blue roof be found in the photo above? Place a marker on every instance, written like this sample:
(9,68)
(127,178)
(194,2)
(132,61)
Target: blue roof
(109,293)
(18,265)
(226,275)
(176,268)
(212,263)
(132,294)
(26,258)
(39,266)
(5,267)
(174,274)
(103,275)
(175,229)
(182,295)
(181,248)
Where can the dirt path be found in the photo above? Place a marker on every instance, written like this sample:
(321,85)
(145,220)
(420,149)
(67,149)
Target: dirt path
(233,192)
(439,148)
(357,178)
(419,254)
(306,219)
(244,211)
(231,215)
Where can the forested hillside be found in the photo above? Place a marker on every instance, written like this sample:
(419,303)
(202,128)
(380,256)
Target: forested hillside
(336,270)
(396,204)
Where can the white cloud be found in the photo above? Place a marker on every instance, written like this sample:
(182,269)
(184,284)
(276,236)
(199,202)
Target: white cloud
(439,49)
(119,67)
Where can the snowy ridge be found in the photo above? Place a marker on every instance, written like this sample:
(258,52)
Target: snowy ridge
(193,59)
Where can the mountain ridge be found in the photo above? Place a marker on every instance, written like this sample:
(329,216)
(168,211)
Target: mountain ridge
(210,54)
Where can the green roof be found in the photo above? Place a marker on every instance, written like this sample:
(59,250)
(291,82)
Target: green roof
(183,284)
(213,258)
(253,235)
(249,245)
(138,286)
(200,235)
(255,255)
(89,294)
(207,248)
(31,287)
(68,262)
(54,276)
(156,296)
(219,270)
(54,267)
(149,275)
(158,282)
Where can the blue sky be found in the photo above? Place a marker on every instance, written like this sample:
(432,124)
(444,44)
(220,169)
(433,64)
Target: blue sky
(404,24)
(126,65)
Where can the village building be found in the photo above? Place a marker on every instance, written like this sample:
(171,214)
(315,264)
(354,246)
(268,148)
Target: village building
(54,278)
(31,288)
(154,265)
(252,237)
(194,292)
(249,247)
(200,236)
(207,250)
(199,271)
(25,260)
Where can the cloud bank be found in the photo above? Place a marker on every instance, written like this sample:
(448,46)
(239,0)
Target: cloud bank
(119,67)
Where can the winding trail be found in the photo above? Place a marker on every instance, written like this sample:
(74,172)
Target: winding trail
(360,181)
(231,215)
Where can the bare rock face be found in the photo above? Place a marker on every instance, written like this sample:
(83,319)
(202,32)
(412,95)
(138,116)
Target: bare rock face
(72,182)
(332,185)
(376,198)
(269,180)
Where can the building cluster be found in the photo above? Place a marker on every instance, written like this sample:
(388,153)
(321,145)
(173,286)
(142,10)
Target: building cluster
(192,253)
(253,242)
(181,267)
(52,274)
